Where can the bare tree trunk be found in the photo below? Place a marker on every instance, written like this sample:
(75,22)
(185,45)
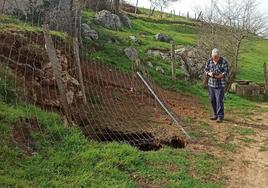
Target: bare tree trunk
(116,4)
(265,79)
(237,54)
(79,72)
(161,12)
(199,15)
(76,50)
(3,6)
(136,8)
(152,13)
(56,70)
(173,64)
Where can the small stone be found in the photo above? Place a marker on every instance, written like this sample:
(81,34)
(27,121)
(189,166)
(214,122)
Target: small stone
(149,64)
(162,37)
(160,70)
(131,53)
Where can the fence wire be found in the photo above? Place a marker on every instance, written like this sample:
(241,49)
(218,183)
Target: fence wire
(118,107)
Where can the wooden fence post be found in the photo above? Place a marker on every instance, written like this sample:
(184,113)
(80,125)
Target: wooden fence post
(76,51)
(52,55)
(79,72)
(173,63)
(265,78)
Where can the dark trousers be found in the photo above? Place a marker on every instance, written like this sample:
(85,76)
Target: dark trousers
(216,96)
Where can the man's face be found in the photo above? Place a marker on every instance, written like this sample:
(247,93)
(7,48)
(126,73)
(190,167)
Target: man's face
(216,58)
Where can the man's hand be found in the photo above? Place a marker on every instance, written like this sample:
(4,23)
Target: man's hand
(220,76)
(210,74)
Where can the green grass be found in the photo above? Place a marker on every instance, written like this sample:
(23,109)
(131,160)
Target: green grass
(112,53)
(231,147)
(65,158)
(254,54)
(166,18)
(243,131)
(264,147)
(183,34)
(10,23)
(248,140)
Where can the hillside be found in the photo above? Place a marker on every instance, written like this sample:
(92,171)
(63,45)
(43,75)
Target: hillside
(38,149)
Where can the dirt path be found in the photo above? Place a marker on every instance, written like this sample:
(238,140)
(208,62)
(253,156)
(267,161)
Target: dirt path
(246,166)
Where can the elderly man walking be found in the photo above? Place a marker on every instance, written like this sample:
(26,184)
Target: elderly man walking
(217,69)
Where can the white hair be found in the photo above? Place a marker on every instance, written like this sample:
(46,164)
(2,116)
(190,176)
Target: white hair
(215,52)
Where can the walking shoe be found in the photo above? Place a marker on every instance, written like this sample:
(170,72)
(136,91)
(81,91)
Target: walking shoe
(219,121)
(213,118)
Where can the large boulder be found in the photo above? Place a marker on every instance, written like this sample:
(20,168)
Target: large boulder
(162,37)
(192,61)
(109,20)
(131,53)
(125,20)
(88,32)
(157,52)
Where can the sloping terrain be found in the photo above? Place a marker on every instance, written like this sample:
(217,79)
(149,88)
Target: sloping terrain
(119,107)
(39,150)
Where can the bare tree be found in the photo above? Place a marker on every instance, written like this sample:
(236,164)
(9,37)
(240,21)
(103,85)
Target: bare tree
(227,24)
(116,6)
(2,5)
(136,7)
(161,4)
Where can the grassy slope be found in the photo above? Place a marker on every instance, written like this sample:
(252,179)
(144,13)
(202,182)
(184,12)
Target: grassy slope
(64,158)
(254,54)
(183,33)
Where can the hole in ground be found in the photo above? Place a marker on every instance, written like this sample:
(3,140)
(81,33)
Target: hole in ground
(144,141)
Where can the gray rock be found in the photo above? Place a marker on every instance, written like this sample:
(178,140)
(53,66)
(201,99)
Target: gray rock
(109,20)
(131,53)
(89,33)
(125,20)
(149,64)
(233,88)
(133,39)
(192,61)
(164,54)
(156,53)
(162,37)
(160,70)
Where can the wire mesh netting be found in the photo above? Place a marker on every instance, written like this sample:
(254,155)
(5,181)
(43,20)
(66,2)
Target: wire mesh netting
(44,67)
